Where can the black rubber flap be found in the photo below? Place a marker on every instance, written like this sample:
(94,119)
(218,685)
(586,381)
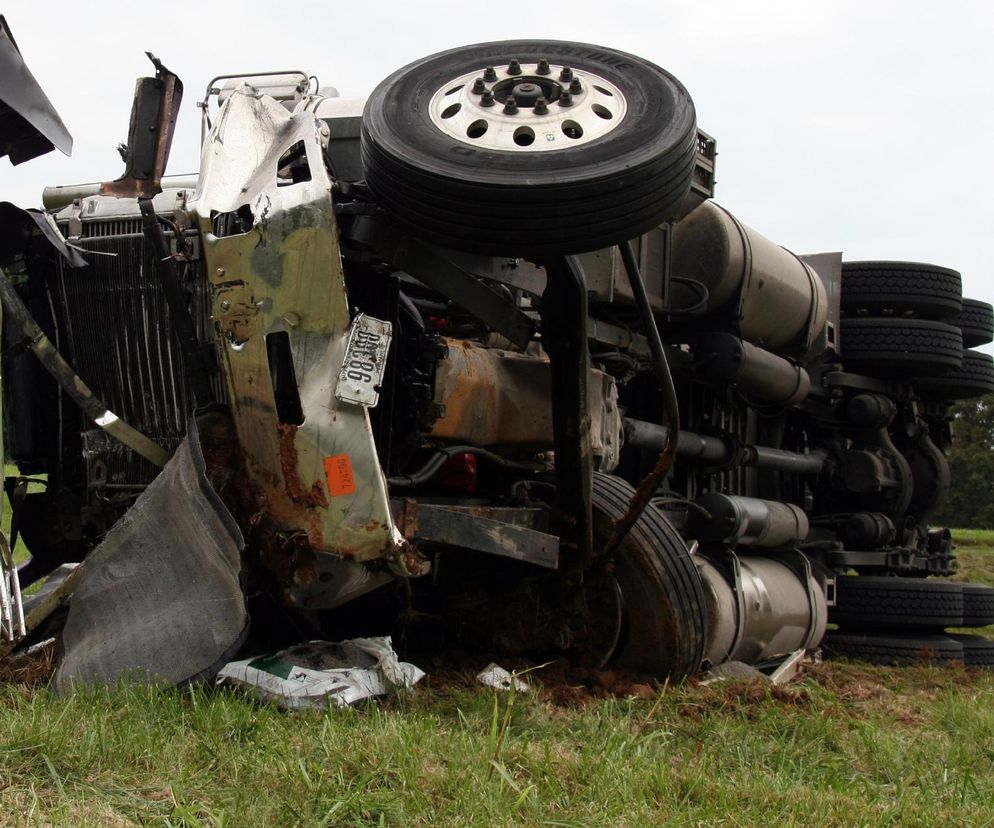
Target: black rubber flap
(160,599)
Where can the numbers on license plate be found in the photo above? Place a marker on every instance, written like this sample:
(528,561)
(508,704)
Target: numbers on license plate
(365,361)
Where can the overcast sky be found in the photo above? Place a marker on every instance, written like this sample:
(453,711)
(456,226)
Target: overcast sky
(865,127)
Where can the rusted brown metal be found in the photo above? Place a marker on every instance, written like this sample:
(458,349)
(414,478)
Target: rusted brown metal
(153,121)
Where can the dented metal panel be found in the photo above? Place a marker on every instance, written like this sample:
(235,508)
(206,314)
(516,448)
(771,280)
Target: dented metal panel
(280,273)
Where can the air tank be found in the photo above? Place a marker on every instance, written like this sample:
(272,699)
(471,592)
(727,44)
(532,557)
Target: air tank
(778,301)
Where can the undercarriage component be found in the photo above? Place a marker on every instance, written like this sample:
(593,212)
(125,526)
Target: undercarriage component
(747,521)
(726,359)
(519,534)
(774,299)
(760,608)
(501,398)
(717,451)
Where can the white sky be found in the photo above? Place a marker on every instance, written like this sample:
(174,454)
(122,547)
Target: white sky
(863,126)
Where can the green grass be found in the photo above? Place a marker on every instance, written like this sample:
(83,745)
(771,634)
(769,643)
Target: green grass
(974,537)
(843,745)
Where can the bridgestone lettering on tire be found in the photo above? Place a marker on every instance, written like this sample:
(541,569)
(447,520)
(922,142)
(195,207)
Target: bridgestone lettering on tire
(976,323)
(870,602)
(530,203)
(665,623)
(928,291)
(905,347)
(894,649)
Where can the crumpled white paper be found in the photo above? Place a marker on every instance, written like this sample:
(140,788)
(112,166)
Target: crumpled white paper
(493,675)
(318,673)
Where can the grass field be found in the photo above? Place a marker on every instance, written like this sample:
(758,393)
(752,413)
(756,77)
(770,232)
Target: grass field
(843,745)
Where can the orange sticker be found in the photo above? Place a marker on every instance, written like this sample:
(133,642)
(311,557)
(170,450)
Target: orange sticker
(338,469)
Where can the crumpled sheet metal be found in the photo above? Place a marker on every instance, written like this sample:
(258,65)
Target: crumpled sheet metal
(320,479)
(316,674)
(160,599)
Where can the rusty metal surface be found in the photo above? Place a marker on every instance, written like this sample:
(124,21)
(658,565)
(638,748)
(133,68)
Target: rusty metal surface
(153,121)
(493,397)
(279,271)
(478,530)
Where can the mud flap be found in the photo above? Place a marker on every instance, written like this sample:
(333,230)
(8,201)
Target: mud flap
(160,599)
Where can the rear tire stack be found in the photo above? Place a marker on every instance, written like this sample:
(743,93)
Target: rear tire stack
(896,320)
(897,621)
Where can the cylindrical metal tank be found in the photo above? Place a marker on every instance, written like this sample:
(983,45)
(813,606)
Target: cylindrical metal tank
(779,301)
(761,608)
(748,521)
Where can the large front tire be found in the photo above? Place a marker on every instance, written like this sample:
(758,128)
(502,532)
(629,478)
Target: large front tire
(664,623)
(531,179)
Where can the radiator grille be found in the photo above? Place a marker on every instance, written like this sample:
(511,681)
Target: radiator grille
(114,328)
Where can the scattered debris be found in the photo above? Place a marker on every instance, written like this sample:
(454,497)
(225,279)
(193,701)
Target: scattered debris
(493,675)
(318,673)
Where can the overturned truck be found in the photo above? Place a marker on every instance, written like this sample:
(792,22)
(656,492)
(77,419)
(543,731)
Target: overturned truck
(480,361)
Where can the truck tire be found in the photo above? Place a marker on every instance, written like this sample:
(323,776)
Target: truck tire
(976,323)
(978,651)
(872,602)
(928,291)
(894,649)
(664,623)
(974,378)
(978,605)
(612,164)
(908,347)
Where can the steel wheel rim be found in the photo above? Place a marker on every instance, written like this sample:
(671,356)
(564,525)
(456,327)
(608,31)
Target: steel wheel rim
(527,107)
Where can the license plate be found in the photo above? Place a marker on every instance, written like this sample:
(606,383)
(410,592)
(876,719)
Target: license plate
(365,361)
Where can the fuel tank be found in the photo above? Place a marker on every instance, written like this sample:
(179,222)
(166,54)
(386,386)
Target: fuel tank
(777,301)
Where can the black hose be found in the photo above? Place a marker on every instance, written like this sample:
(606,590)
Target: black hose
(437,460)
(671,410)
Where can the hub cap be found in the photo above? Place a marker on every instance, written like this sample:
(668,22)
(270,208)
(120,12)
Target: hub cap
(528,107)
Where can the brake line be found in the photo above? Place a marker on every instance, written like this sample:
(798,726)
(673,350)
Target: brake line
(671,412)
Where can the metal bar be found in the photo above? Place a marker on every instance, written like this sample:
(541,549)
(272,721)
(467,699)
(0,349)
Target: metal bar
(197,358)
(671,411)
(564,338)
(69,381)
(642,434)
(428,523)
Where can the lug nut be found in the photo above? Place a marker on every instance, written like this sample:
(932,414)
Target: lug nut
(543,67)
(566,74)
(510,105)
(489,74)
(487,99)
(575,87)
(514,68)
(479,87)
(541,106)
(565,99)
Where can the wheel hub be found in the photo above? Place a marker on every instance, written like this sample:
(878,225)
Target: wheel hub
(527,107)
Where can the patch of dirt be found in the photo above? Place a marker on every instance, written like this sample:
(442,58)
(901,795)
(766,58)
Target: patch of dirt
(32,670)
(748,697)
